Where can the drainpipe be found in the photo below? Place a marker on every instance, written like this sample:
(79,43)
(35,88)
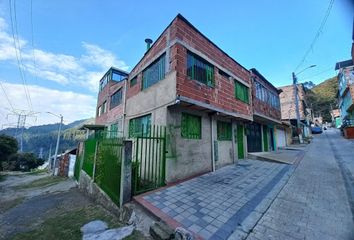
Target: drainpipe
(124,105)
(212,137)
(234,159)
(148,43)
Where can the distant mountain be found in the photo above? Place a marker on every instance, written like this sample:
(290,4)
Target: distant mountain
(322,98)
(44,136)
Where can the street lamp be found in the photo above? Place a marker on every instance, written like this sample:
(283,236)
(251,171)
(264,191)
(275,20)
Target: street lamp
(58,140)
(297,100)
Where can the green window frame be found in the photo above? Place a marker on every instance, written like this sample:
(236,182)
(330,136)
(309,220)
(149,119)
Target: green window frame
(241,92)
(154,72)
(200,70)
(224,131)
(133,81)
(191,126)
(140,126)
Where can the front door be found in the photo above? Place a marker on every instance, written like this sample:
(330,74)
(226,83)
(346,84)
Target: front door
(240,148)
(254,137)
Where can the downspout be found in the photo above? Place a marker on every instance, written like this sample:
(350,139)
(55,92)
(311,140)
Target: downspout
(124,105)
(234,159)
(212,137)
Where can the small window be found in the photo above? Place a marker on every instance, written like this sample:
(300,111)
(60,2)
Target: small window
(241,92)
(199,69)
(191,126)
(104,107)
(154,73)
(113,130)
(116,99)
(133,81)
(140,126)
(99,111)
(224,131)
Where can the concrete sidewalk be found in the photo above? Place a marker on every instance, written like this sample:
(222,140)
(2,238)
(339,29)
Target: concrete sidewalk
(217,205)
(287,155)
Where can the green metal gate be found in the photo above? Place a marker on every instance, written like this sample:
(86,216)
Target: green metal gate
(149,161)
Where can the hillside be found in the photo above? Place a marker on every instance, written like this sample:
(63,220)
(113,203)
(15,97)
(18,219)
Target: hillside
(322,97)
(44,136)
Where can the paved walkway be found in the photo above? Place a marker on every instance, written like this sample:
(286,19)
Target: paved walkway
(314,203)
(287,156)
(221,204)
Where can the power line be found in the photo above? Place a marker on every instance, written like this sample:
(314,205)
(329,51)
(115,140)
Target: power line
(7,97)
(317,74)
(20,64)
(317,35)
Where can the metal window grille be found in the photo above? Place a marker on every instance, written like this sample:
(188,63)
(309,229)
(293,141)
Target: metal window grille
(200,70)
(191,126)
(224,131)
(154,73)
(140,126)
(241,92)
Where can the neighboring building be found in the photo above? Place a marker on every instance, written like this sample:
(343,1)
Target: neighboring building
(66,163)
(346,95)
(262,133)
(111,101)
(187,83)
(336,119)
(288,108)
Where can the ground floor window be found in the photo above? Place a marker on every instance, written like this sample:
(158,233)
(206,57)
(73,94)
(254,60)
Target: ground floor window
(191,126)
(140,126)
(224,131)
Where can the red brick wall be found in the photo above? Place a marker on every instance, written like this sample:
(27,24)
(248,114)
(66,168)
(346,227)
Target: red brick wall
(222,95)
(105,95)
(262,107)
(155,49)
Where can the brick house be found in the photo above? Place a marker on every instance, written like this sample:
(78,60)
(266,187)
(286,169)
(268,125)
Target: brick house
(288,107)
(265,131)
(111,99)
(187,83)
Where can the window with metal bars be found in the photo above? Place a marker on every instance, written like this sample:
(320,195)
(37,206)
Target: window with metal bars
(241,92)
(140,126)
(224,131)
(154,72)
(116,99)
(199,69)
(191,126)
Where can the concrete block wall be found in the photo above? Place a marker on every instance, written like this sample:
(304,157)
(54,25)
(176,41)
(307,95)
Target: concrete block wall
(287,102)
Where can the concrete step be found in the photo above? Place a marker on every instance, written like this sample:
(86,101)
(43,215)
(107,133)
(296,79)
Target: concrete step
(161,231)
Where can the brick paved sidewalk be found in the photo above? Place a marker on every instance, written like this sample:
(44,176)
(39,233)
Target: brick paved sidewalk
(313,204)
(217,205)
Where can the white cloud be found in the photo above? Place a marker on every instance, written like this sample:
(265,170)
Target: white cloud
(84,70)
(73,106)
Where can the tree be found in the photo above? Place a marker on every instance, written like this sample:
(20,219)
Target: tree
(8,146)
(24,161)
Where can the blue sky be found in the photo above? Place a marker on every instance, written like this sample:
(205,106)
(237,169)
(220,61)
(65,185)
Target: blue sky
(74,43)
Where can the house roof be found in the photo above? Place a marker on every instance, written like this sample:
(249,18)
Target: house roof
(344,64)
(256,72)
(179,16)
(92,127)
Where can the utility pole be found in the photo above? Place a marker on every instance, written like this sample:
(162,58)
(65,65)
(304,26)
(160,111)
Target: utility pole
(297,107)
(49,157)
(40,153)
(57,146)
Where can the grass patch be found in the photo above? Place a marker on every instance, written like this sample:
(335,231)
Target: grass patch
(42,182)
(67,225)
(6,205)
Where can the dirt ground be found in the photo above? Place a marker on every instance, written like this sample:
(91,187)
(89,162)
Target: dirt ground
(39,206)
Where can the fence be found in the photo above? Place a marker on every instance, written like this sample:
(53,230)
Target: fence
(101,159)
(149,159)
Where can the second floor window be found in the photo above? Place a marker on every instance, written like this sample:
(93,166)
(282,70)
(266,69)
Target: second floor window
(200,70)
(241,92)
(154,72)
(116,99)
